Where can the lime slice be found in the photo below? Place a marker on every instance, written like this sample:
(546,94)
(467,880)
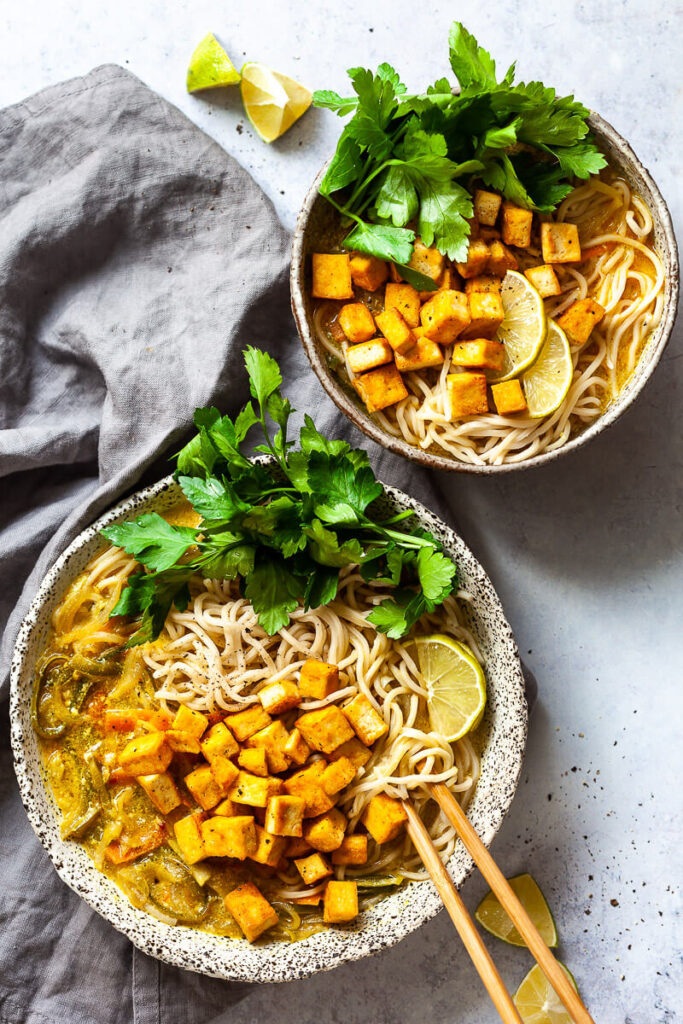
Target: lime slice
(491,915)
(537,1001)
(273,102)
(547,382)
(210,66)
(524,326)
(456,687)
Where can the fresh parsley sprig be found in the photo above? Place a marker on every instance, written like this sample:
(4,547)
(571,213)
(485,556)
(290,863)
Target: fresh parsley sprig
(284,528)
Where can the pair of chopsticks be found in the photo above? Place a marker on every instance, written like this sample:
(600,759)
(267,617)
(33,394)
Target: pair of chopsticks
(464,924)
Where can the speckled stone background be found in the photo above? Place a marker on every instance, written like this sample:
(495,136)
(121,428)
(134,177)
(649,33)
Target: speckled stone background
(586,555)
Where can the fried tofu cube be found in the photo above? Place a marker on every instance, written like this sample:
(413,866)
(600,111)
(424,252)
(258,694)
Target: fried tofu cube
(357,753)
(324,729)
(326,832)
(384,818)
(486,284)
(318,679)
(481,352)
(315,800)
(147,755)
(477,259)
(486,206)
(298,848)
(381,387)
(229,837)
(353,850)
(245,723)
(270,848)
(187,720)
(313,868)
(500,259)
(367,723)
(253,790)
(356,322)
(369,354)
(337,775)
(161,790)
(466,395)
(332,276)
(368,272)
(189,837)
(449,281)
(296,748)
(205,787)
(427,261)
(580,319)
(254,760)
(508,397)
(396,330)
(251,910)
(273,738)
(182,742)
(340,902)
(285,815)
(560,243)
(424,354)
(219,742)
(276,698)
(445,316)
(223,771)
(227,808)
(406,300)
(486,310)
(544,279)
(516,225)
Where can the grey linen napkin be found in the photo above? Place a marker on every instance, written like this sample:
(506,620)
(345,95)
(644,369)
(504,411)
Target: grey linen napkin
(137,259)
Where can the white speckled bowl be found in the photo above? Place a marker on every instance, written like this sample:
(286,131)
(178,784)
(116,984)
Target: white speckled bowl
(504,726)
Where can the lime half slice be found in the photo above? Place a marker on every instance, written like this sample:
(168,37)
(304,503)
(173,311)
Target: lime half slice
(547,382)
(537,1001)
(210,66)
(491,915)
(455,683)
(273,102)
(523,328)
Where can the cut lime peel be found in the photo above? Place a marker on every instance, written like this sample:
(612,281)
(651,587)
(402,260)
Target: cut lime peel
(523,304)
(536,1000)
(446,713)
(210,67)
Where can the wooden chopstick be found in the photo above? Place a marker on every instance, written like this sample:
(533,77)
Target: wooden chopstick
(510,903)
(464,924)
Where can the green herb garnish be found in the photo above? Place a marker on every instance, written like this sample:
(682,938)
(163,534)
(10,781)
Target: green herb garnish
(284,528)
(399,157)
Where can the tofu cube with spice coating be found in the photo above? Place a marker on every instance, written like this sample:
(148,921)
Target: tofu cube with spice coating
(560,243)
(396,330)
(189,837)
(356,322)
(298,848)
(147,755)
(486,206)
(445,316)
(313,868)
(182,742)
(483,353)
(426,260)
(516,225)
(486,283)
(466,395)
(340,902)
(276,698)
(486,310)
(500,259)
(316,801)
(270,848)
(219,742)
(318,679)
(324,729)
(368,272)
(367,723)
(449,281)
(253,790)
(223,771)
(187,720)
(337,775)
(229,837)
(353,850)
(161,790)
(245,723)
(251,910)
(273,739)
(384,818)
(544,279)
(204,787)
(326,832)
(477,259)
(296,748)
(254,760)
(508,397)
(332,276)
(424,354)
(381,388)
(227,808)
(357,753)
(580,319)
(406,300)
(285,815)
(369,354)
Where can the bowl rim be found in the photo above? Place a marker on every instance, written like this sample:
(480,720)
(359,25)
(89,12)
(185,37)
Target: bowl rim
(604,132)
(236,960)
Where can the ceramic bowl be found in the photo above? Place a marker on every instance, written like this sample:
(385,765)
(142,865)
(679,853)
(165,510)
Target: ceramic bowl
(504,731)
(317,217)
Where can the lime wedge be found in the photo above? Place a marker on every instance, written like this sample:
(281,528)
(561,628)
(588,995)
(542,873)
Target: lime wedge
(524,326)
(547,382)
(210,66)
(491,915)
(456,687)
(537,1001)
(273,102)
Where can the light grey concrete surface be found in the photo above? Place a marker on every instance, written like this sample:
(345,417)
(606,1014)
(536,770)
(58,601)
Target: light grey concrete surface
(586,554)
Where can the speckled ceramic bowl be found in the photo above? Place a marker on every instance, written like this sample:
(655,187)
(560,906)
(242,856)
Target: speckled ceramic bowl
(504,731)
(316,219)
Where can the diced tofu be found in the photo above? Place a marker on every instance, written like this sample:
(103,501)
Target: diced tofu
(245,723)
(395,330)
(426,261)
(251,910)
(356,322)
(227,808)
(500,259)
(368,272)
(313,868)
(486,310)
(488,355)
(318,679)
(560,243)
(204,787)
(394,273)
(354,850)
(357,753)
(405,299)
(315,800)
(326,832)
(508,397)
(516,225)
(580,319)
(254,760)
(369,354)
(229,837)
(367,723)
(445,316)
(337,775)
(324,729)
(219,742)
(384,818)
(147,755)
(485,284)
(298,848)
(189,838)
(161,790)
(182,742)
(486,206)
(187,720)
(307,901)
(477,259)
(489,235)
(223,771)
(422,355)
(270,849)
(340,903)
(296,748)
(332,276)
(381,388)
(466,395)
(276,698)
(285,815)
(449,281)
(273,738)
(253,790)
(544,279)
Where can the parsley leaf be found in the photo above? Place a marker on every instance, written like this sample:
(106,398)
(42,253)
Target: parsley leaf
(395,244)
(273,591)
(215,500)
(471,64)
(152,540)
(436,573)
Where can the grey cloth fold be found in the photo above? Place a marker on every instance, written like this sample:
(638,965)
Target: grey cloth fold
(137,259)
